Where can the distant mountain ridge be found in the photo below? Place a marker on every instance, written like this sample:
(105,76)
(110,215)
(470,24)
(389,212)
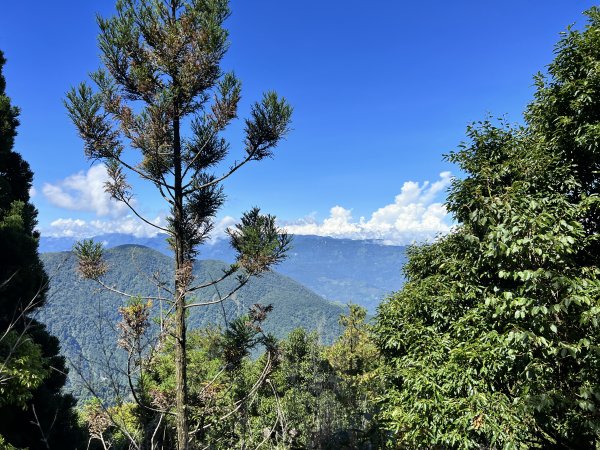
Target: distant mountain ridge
(342,270)
(83,315)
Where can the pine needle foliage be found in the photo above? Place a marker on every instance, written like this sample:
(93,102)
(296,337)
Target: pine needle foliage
(162,78)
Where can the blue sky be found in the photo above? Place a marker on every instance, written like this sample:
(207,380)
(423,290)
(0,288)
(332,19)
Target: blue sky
(381,90)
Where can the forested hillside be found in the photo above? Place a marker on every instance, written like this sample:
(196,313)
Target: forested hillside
(83,315)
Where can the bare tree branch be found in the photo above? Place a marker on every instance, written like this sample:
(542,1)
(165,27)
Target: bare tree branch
(226,275)
(221,299)
(231,170)
(39,425)
(158,227)
(142,174)
(125,294)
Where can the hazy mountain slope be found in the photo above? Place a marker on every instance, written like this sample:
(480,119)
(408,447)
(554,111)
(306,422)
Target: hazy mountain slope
(83,316)
(344,270)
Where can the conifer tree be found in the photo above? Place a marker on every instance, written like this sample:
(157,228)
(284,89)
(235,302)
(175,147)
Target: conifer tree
(162,78)
(33,411)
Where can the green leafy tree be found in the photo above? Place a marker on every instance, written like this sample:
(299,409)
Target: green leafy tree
(33,411)
(161,78)
(322,397)
(354,353)
(355,359)
(493,341)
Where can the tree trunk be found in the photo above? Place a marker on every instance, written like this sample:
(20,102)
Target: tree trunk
(181,375)
(181,396)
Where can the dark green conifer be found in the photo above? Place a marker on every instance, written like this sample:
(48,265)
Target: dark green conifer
(34,413)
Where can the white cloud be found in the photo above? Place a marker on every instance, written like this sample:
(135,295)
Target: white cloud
(129,224)
(220,230)
(32,192)
(81,228)
(85,192)
(414,216)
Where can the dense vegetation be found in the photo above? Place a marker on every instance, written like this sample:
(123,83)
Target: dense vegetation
(309,396)
(494,340)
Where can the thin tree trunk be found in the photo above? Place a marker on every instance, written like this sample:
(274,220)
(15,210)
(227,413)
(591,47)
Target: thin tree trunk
(181,398)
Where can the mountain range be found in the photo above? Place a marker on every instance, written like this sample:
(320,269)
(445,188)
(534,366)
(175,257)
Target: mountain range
(341,270)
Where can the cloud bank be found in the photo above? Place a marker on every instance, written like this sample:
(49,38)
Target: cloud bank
(414,216)
(79,228)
